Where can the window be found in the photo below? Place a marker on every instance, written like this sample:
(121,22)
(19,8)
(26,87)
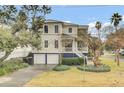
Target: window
(46,43)
(45,29)
(70,30)
(56,28)
(56,43)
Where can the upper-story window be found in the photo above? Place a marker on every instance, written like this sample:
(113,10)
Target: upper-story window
(46,43)
(56,28)
(45,28)
(56,44)
(70,30)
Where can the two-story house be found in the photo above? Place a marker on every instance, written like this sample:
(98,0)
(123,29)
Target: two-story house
(60,37)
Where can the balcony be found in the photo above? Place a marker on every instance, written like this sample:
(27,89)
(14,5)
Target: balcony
(71,50)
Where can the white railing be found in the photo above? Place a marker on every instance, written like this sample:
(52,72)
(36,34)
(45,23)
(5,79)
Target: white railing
(83,49)
(68,49)
(80,54)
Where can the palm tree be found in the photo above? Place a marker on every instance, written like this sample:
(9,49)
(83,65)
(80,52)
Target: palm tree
(98,26)
(115,20)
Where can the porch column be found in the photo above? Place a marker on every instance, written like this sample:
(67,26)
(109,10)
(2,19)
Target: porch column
(73,45)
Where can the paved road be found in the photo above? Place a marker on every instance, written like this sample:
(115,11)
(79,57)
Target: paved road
(22,76)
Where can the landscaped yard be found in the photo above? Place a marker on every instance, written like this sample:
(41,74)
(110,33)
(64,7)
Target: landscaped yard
(75,77)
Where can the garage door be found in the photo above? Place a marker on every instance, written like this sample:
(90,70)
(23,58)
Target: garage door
(39,58)
(52,58)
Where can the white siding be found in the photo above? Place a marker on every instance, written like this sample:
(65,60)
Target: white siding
(74,30)
(51,36)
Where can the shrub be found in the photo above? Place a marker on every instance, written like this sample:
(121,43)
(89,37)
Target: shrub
(72,61)
(61,68)
(92,68)
(2,72)
(11,65)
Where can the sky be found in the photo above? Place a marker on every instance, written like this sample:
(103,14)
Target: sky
(84,14)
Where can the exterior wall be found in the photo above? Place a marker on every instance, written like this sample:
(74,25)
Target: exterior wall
(74,30)
(51,29)
(51,36)
(51,43)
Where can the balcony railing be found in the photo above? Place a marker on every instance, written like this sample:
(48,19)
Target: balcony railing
(83,49)
(68,49)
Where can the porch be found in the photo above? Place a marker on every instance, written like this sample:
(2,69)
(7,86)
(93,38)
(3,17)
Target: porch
(71,44)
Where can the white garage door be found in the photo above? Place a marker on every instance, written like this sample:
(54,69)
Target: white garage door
(52,58)
(39,58)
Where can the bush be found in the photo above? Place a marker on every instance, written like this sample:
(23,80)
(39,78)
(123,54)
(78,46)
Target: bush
(72,61)
(11,65)
(92,68)
(61,68)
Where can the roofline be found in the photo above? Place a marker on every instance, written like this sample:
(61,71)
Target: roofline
(73,24)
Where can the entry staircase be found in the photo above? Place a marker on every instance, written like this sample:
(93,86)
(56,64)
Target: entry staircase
(80,54)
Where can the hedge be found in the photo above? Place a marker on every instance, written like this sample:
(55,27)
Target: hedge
(11,65)
(72,61)
(61,68)
(92,68)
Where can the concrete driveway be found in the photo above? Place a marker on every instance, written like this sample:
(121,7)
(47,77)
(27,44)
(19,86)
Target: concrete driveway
(22,76)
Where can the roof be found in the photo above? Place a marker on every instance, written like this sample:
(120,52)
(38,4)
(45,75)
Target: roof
(65,23)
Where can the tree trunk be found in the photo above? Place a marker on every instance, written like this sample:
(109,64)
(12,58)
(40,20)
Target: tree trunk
(60,58)
(117,56)
(96,60)
(5,56)
(116,29)
(118,62)
(99,35)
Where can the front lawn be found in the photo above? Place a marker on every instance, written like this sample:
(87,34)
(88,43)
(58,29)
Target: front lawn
(75,77)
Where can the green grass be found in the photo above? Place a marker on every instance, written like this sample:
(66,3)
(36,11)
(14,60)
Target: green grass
(121,56)
(92,68)
(74,77)
(113,64)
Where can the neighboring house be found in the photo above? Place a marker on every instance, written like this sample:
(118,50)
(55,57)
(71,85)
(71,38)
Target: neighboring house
(60,37)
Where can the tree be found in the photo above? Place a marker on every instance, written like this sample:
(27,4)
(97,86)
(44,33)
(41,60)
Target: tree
(94,46)
(116,41)
(98,26)
(7,14)
(36,13)
(115,20)
(25,27)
